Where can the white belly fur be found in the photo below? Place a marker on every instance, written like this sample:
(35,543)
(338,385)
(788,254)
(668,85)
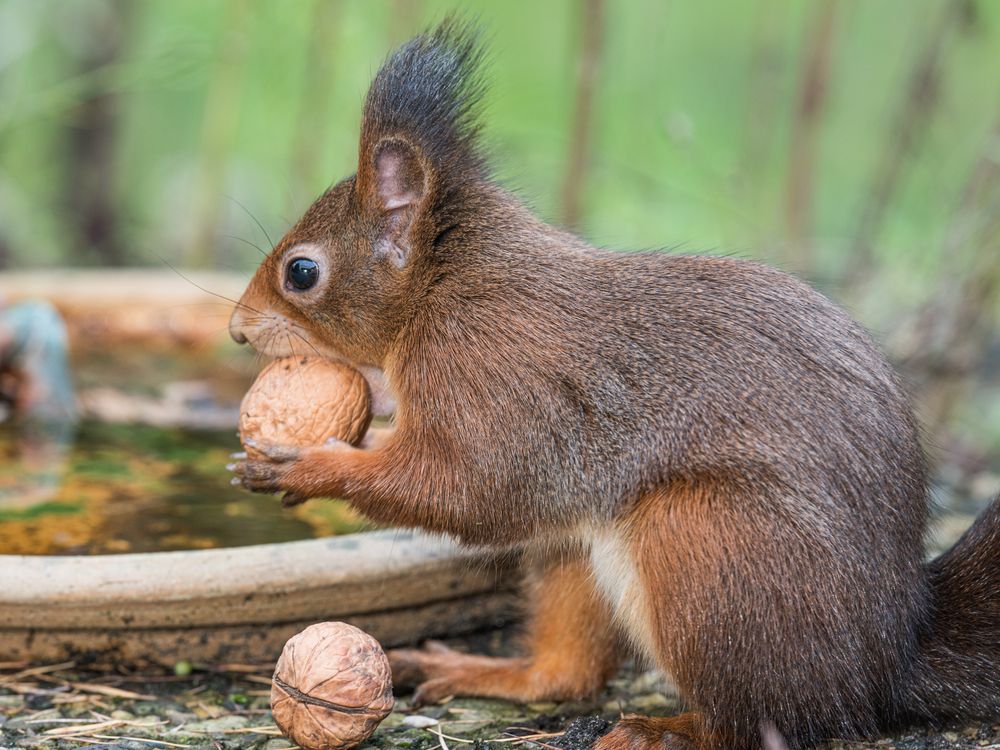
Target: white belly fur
(617,579)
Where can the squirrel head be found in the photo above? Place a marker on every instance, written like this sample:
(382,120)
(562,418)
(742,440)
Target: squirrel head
(349,275)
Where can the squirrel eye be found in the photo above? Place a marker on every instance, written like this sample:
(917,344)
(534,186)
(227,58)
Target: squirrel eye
(302,273)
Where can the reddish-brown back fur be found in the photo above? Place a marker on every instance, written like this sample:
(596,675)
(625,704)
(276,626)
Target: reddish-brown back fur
(748,439)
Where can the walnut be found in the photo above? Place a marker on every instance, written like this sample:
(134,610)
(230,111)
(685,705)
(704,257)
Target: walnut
(332,687)
(304,401)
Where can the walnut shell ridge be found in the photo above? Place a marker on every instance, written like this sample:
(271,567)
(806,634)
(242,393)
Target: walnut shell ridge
(332,687)
(304,401)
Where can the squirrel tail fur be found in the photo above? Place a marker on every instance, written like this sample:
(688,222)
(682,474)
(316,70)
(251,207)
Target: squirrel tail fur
(957,670)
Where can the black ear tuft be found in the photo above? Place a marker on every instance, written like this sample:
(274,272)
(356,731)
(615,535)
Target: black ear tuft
(428,94)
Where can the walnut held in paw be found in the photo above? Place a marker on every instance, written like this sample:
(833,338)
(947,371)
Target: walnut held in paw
(305,401)
(332,687)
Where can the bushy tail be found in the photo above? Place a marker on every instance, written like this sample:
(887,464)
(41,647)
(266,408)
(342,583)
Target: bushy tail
(957,673)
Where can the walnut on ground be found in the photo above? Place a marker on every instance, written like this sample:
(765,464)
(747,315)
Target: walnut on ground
(332,687)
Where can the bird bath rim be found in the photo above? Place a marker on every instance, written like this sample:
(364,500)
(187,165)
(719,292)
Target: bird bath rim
(241,603)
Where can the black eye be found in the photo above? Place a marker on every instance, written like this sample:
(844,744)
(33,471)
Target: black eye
(303,273)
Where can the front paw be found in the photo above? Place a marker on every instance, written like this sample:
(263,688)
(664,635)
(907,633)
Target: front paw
(270,471)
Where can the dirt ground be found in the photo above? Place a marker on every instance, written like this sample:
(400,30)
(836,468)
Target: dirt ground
(226,708)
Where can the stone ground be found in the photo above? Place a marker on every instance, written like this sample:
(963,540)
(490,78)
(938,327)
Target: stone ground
(226,708)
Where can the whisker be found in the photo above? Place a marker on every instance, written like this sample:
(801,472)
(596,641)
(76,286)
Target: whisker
(186,305)
(259,225)
(237,361)
(295,372)
(169,265)
(256,318)
(261,250)
(273,336)
(305,340)
(258,358)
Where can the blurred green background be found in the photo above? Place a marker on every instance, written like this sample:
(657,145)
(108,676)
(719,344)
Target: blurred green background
(854,142)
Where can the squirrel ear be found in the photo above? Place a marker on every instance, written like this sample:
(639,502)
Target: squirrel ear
(398,174)
(400,186)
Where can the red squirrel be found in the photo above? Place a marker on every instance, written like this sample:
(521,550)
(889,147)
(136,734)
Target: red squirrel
(708,462)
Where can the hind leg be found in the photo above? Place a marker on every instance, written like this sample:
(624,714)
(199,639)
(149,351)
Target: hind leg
(570,644)
(758,618)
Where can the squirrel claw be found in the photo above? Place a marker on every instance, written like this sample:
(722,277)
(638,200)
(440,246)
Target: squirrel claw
(291,499)
(277,453)
(258,476)
(433,691)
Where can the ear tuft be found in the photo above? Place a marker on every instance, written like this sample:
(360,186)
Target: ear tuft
(429,92)
(419,132)
(399,176)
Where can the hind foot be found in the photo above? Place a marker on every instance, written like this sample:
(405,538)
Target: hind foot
(438,672)
(684,732)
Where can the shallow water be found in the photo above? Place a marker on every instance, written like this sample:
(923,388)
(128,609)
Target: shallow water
(136,488)
(114,488)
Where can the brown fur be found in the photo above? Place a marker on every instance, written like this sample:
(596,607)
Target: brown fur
(716,446)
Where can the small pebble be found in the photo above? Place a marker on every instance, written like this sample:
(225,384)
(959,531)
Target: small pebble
(218,725)
(648,702)
(182,668)
(419,722)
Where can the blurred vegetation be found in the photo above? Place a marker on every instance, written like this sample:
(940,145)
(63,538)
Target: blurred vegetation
(854,142)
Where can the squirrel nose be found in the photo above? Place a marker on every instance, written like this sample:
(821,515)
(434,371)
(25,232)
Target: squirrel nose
(236,328)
